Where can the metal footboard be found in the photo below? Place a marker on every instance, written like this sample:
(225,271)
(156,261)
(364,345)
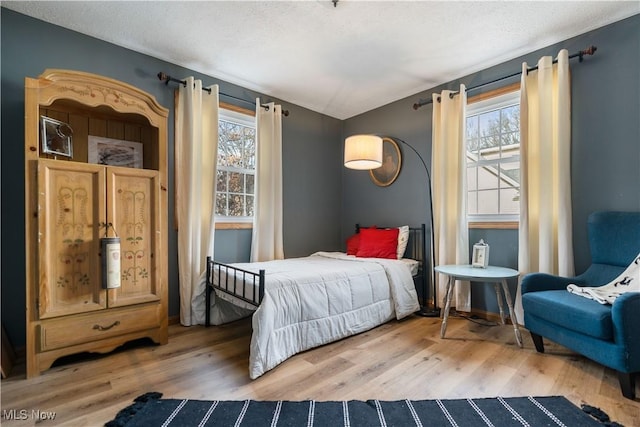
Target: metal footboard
(233,281)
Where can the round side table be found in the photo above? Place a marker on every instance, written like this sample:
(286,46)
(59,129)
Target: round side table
(490,274)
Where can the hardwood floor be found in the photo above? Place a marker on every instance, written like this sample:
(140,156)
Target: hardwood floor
(398,360)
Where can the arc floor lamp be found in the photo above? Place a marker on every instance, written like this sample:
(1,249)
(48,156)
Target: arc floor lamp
(365,152)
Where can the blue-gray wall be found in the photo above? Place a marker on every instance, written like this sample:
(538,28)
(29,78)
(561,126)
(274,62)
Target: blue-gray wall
(605,151)
(322,199)
(311,152)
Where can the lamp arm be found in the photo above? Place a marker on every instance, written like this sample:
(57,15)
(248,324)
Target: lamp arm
(433,240)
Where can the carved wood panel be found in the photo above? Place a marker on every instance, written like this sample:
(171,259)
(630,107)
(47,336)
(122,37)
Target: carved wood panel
(134,210)
(71,207)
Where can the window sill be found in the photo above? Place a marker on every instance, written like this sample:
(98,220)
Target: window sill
(234,225)
(502,225)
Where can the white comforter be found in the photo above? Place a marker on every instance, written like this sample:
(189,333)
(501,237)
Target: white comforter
(322,298)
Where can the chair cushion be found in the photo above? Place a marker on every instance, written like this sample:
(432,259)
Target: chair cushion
(571,311)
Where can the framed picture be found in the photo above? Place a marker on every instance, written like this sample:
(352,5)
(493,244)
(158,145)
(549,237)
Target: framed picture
(115,152)
(391,164)
(480,256)
(56,137)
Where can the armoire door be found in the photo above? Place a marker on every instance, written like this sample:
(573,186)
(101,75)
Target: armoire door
(133,207)
(70,210)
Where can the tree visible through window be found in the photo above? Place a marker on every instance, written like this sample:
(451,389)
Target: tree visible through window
(235,181)
(493,158)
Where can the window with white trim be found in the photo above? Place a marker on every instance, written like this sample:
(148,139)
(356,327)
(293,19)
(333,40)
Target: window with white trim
(235,180)
(493,158)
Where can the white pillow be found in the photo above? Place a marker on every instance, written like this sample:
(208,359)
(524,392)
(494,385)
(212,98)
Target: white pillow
(403,239)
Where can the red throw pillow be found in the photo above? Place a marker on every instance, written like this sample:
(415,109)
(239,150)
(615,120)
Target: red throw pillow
(353,243)
(378,243)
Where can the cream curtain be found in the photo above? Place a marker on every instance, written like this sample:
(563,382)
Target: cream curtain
(449,173)
(266,242)
(545,237)
(196,140)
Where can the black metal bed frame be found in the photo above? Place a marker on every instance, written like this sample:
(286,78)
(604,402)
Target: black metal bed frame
(234,276)
(230,286)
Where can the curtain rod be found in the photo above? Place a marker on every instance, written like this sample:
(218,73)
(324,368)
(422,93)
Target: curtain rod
(588,51)
(166,79)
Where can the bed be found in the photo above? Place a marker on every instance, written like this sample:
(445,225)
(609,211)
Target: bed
(301,303)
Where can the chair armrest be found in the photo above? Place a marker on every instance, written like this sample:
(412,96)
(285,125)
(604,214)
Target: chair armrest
(625,314)
(534,282)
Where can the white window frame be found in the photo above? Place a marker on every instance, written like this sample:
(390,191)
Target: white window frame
(486,104)
(242,117)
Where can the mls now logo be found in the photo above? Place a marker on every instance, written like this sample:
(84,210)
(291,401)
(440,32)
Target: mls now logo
(23,414)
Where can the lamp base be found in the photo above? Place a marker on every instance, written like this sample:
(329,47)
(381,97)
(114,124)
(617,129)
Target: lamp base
(428,312)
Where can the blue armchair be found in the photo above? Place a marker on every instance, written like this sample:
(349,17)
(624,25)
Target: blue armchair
(608,334)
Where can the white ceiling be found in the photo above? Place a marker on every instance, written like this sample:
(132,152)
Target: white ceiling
(340,61)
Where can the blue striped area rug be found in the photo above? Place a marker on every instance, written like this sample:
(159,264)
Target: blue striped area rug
(149,410)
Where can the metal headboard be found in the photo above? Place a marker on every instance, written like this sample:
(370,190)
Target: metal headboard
(416,247)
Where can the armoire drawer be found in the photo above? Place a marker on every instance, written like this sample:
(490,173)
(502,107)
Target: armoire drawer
(71,330)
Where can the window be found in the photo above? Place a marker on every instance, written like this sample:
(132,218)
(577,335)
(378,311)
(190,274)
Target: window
(235,180)
(493,158)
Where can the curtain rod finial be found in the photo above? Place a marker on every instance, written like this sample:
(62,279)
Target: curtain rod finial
(588,51)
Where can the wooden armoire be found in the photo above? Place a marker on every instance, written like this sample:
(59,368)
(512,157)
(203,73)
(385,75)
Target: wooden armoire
(72,203)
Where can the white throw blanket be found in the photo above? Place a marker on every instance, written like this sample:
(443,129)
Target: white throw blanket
(628,281)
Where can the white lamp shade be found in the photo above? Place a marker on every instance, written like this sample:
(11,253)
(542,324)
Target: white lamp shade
(363,152)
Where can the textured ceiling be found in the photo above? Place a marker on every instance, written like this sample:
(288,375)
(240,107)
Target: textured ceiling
(340,61)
